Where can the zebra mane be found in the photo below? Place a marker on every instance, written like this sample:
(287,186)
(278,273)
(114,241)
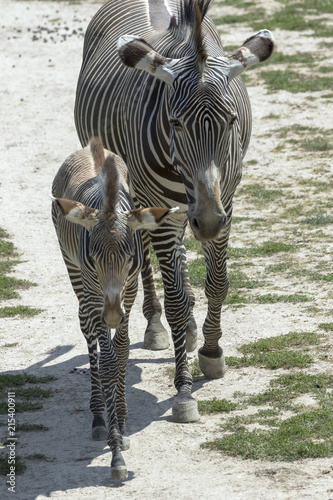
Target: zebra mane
(109,182)
(97,152)
(188,27)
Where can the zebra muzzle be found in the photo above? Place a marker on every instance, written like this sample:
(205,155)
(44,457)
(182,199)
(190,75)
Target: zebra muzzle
(206,225)
(112,312)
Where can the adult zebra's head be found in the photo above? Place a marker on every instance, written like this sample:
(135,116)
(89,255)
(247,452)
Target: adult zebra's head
(204,129)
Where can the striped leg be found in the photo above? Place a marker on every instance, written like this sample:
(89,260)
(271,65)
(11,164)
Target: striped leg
(211,358)
(178,312)
(121,344)
(97,403)
(191,329)
(109,374)
(156,336)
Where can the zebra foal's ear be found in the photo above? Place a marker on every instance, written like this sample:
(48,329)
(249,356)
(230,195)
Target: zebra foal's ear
(257,48)
(147,218)
(137,53)
(78,213)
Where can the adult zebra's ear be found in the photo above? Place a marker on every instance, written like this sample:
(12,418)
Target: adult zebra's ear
(147,218)
(257,48)
(136,53)
(78,213)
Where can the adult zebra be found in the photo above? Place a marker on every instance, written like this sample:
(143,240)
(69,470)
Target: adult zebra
(182,125)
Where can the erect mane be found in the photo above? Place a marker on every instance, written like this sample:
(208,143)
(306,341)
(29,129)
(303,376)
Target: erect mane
(188,26)
(109,179)
(97,152)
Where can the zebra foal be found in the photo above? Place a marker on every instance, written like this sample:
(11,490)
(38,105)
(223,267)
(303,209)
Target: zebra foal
(96,225)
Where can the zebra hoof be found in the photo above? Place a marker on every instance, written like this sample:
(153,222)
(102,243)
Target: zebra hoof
(125,443)
(156,336)
(185,408)
(212,367)
(191,335)
(99,433)
(119,473)
(118,467)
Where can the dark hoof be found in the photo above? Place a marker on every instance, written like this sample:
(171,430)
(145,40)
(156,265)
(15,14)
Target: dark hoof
(118,467)
(156,336)
(99,431)
(212,367)
(185,408)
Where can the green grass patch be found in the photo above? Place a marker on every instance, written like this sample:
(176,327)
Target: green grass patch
(273,298)
(27,397)
(8,286)
(294,81)
(195,369)
(302,383)
(32,392)
(20,466)
(259,194)
(320,219)
(7,249)
(239,279)
(306,434)
(296,438)
(197,272)
(328,327)
(216,405)
(274,353)
(21,311)
(272,360)
(265,249)
(9,380)
(292,339)
(31,427)
(20,406)
(192,244)
(280,267)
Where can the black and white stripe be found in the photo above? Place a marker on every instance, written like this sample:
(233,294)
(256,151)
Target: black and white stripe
(156,85)
(96,224)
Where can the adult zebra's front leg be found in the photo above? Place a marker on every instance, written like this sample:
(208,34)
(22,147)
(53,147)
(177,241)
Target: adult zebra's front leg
(211,357)
(156,336)
(178,312)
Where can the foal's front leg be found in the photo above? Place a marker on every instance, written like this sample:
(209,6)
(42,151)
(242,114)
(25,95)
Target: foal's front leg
(121,344)
(97,402)
(109,375)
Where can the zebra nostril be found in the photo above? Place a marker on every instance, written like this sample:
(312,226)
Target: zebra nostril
(195,223)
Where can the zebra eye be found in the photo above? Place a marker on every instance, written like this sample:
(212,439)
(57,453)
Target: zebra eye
(232,120)
(176,123)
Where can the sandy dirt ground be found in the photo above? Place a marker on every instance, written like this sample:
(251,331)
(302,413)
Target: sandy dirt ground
(41,47)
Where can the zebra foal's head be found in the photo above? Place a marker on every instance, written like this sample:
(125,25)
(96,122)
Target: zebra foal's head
(111,251)
(204,126)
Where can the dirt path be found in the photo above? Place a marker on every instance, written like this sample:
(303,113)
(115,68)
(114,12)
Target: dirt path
(39,70)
